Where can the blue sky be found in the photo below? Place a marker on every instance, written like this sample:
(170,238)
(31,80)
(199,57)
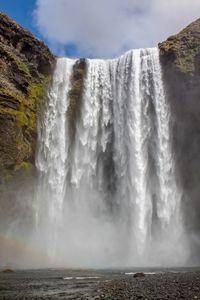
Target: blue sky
(22,12)
(101,28)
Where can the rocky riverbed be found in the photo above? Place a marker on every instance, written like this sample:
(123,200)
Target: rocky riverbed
(156,286)
(94,285)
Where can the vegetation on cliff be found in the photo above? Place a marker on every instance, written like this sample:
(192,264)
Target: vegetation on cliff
(75,94)
(26,65)
(183,49)
(180,58)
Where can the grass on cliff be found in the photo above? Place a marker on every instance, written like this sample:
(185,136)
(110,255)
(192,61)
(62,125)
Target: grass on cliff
(23,117)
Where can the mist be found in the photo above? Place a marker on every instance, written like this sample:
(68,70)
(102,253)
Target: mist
(107,192)
(87,237)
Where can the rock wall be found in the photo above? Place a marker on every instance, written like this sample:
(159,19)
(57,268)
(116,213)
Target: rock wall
(180,57)
(75,95)
(26,65)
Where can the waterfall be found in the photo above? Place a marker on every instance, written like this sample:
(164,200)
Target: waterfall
(107,196)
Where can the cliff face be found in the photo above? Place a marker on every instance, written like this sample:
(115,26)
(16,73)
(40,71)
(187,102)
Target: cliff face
(26,65)
(180,57)
(182,51)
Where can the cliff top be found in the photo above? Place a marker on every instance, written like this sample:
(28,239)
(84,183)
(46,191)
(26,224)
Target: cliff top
(18,44)
(183,49)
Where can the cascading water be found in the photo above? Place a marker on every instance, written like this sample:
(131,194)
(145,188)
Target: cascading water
(107,196)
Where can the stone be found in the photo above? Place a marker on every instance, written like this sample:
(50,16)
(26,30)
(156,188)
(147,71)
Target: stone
(180,59)
(8,271)
(139,274)
(26,65)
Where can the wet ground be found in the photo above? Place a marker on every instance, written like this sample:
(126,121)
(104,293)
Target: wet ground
(52,284)
(114,285)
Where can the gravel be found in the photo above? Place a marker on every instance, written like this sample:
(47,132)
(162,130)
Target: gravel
(158,286)
(98,285)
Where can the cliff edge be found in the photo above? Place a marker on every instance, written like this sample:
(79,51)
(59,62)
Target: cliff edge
(26,65)
(180,58)
(183,50)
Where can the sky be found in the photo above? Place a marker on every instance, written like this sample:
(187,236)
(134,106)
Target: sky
(101,28)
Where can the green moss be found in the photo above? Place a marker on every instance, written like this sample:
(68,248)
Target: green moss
(186,61)
(20,116)
(22,67)
(75,96)
(77,85)
(36,90)
(26,115)
(22,110)
(23,166)
(184,48)
(21,119)
(21,93)
(12,94)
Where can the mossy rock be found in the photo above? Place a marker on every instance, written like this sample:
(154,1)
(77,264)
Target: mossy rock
(8,271)
(26,67)
(75,95)
(183,49)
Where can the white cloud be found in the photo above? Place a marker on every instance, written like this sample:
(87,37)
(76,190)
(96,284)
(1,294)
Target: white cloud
(105,28)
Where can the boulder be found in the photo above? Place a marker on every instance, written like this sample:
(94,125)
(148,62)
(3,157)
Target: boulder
(139,274)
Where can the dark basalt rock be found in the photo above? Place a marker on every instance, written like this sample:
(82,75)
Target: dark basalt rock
(182,50)
(140,274)
(75,95)
(26,65)
(24,44)
(8,271)
(180,58)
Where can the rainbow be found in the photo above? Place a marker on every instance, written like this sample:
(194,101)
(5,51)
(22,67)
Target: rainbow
(19,251)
